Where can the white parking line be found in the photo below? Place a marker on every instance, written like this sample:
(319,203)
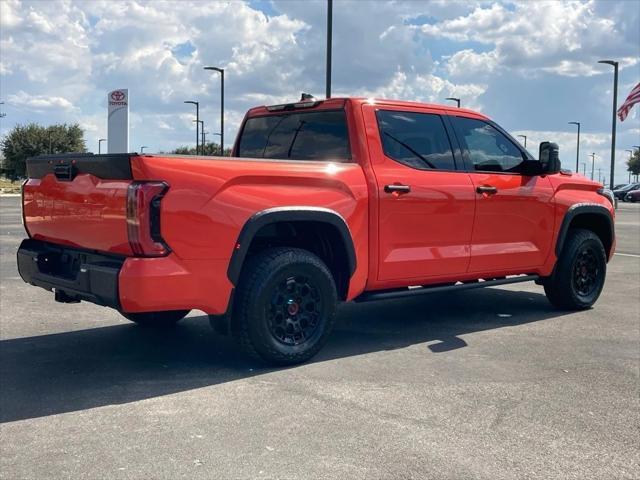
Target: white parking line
(627,255)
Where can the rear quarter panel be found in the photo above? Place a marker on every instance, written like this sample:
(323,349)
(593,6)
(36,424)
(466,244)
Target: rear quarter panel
(210,200)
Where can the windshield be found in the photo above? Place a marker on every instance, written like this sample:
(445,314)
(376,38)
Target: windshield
(296,136)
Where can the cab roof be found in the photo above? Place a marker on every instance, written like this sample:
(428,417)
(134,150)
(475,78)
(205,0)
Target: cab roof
(340,102)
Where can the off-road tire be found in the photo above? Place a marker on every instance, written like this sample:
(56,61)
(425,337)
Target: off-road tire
(261,315)
(565,288)
(156,319)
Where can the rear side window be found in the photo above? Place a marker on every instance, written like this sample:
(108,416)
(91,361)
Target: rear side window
(489,150)
(297,136)
(418,140)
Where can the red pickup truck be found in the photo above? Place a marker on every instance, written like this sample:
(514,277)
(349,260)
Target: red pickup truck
(322,201)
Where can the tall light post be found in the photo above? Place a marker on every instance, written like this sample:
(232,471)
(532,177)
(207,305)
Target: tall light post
(197,104)
(578,144)
(613,117)
(329,40)
(454,99)
(630,155)
(221,151)
(584,168)
(525,140)
(201,123)
(593,164)
(221,72)
(100,145)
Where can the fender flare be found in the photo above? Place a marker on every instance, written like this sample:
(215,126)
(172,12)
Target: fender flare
(579,209)
(288,214)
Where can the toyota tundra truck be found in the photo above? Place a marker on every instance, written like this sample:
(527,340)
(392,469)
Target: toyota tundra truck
(321,202)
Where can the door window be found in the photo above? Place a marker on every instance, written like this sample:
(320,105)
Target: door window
(418,140)
(489,149)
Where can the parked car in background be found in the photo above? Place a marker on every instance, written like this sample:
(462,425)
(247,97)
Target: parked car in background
(322,201)
(620,193)
(632,196)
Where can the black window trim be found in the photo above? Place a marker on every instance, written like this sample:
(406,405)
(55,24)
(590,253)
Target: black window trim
(468,164)
(453,142)
(348,159)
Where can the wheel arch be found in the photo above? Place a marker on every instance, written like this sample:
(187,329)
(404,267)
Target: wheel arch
(594,217)
(298,227)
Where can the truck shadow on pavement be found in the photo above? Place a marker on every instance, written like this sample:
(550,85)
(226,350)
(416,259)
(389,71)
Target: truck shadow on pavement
(65,372)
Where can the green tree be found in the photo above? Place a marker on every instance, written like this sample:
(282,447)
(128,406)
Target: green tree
(633,164)
(212,149)
(25,141)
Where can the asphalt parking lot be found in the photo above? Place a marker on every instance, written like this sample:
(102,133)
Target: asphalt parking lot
(482,384)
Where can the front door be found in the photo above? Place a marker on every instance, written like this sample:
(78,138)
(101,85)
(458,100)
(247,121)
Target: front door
(426,206)
(514,212)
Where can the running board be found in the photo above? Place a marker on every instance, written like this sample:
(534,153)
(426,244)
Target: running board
(412,292)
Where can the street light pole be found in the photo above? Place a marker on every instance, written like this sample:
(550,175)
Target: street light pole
(142,148)
(593,164)
(100,144)
(630,155)
(613,116)
(584,168)
(197,104)
(454,99)
(221,72)
(638,147)
(329,39)
(525,140)
(202,144)
(578,144)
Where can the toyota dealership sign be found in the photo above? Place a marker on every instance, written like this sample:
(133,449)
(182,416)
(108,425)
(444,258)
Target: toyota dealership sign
(118,121)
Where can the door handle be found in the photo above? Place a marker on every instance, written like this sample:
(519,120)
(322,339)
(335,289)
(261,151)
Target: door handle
(488,189)
(397,188)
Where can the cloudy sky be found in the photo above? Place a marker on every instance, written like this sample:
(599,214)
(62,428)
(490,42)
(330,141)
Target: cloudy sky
(530,65)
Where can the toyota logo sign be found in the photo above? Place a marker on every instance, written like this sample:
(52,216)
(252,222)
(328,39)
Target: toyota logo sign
(117,96)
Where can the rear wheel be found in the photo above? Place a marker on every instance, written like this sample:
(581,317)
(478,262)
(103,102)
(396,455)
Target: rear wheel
(285,306)
(156,319)
(580,272)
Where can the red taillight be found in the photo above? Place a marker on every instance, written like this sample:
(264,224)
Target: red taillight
(143,219)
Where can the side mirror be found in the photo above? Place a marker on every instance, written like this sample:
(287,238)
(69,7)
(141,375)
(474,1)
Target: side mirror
(549,158)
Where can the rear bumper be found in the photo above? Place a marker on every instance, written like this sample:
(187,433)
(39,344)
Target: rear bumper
(72,274)
(127,284)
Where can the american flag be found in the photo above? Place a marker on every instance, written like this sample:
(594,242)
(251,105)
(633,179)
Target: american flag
(632,99)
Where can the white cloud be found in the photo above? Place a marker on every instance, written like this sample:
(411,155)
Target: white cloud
(40,102)
(565,38)
(469,64)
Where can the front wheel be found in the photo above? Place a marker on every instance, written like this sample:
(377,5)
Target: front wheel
(156,319)
(580,272)
(285,306)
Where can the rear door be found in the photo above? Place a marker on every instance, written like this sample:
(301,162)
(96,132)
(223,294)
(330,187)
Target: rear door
(426,205)
(514,218)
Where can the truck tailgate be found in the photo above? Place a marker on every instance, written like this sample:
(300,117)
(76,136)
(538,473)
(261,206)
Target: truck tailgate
(79,201)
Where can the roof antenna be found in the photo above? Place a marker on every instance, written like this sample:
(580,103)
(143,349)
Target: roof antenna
(306,97)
